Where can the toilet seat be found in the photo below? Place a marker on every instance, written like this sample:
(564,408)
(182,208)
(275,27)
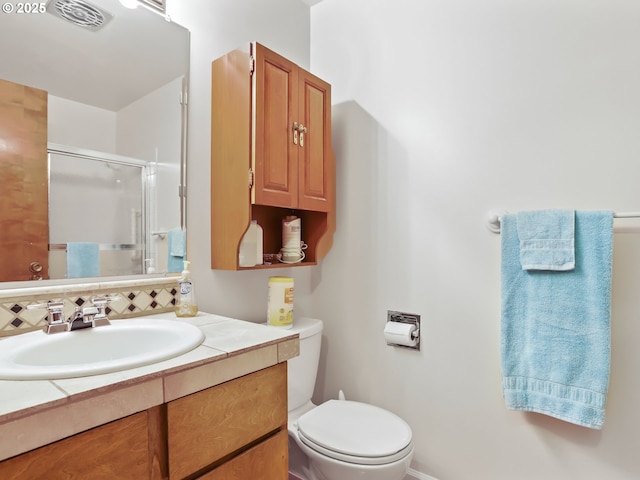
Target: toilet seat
(355,432)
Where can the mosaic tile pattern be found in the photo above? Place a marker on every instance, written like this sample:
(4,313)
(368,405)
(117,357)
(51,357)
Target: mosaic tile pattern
(135,299)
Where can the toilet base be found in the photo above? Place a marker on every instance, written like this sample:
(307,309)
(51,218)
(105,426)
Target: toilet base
(299,468)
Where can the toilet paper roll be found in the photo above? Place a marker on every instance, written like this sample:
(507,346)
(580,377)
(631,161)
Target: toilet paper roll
(400,333)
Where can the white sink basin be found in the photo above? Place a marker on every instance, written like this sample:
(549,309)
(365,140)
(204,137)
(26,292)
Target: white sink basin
(123,344)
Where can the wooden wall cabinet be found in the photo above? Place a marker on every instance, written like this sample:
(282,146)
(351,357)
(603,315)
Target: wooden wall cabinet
(271,154)
(235,430)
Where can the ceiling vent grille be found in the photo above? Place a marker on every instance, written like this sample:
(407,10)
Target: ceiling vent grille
(80,13)
(156,5)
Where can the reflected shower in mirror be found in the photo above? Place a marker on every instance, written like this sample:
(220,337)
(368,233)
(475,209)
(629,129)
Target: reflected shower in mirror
(102,85)
(113,191)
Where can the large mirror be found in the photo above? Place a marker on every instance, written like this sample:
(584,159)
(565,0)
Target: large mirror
(92,140)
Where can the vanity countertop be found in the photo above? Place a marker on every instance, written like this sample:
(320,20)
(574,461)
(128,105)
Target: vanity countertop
(37,412)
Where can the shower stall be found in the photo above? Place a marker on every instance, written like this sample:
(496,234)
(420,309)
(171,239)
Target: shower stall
(98,213)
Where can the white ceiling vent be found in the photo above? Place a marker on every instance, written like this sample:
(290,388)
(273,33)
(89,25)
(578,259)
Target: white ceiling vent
(159,6)
(80,13)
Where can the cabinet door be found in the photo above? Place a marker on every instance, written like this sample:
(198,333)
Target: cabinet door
(206,426)
(315,156)
(118,449)
(276,104)
(266,461)
(24,215)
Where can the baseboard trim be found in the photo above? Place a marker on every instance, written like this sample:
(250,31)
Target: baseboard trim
(411,475)
(415,475)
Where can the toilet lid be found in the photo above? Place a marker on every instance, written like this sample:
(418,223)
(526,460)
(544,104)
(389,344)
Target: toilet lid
(355,429)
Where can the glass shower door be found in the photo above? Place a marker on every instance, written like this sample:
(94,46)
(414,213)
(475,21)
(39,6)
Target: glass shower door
(97,215)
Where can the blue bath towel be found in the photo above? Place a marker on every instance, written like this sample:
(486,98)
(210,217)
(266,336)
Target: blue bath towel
(177,249)
(83,259)
(546,239)
(555,326)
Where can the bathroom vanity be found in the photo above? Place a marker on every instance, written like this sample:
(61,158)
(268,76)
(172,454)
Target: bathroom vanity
(217,412)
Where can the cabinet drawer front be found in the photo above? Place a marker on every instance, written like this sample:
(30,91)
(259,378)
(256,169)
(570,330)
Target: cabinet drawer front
(208,425)
(268,460)
(116,450)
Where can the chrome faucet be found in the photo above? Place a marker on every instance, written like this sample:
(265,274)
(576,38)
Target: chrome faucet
(87,317)
(82,318)
(55,318)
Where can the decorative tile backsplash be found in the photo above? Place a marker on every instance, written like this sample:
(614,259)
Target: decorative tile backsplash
(136,297)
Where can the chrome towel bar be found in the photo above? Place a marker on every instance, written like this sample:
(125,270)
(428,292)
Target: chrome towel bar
(494,216)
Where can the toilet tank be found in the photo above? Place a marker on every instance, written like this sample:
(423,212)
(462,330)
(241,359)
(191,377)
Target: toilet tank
(302,370)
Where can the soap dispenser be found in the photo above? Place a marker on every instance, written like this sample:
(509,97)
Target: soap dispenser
(186,305)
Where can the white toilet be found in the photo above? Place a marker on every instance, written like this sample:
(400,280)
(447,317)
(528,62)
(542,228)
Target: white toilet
(339,439)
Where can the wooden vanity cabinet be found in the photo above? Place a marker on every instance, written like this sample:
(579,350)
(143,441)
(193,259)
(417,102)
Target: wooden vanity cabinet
(234,430)
(271,154)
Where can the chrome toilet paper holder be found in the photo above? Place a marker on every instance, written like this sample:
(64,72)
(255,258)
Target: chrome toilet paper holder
(407,319)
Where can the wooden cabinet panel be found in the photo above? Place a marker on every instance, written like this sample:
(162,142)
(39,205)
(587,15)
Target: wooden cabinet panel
(268,460)
(116,450)
(230,152)
(206,426)
(275,159)
(316,164)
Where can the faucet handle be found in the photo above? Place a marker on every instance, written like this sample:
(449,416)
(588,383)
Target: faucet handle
(55,310)
(104,299)
(100,304)
(55,317)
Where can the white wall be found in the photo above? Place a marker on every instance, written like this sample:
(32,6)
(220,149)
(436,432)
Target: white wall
(443,110)
(79,125)
(217,27)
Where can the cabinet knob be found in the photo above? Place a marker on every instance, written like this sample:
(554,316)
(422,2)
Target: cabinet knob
(295,133)
(302,129)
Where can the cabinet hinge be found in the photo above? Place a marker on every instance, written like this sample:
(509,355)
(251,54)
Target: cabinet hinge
(250,177)
(252,64)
